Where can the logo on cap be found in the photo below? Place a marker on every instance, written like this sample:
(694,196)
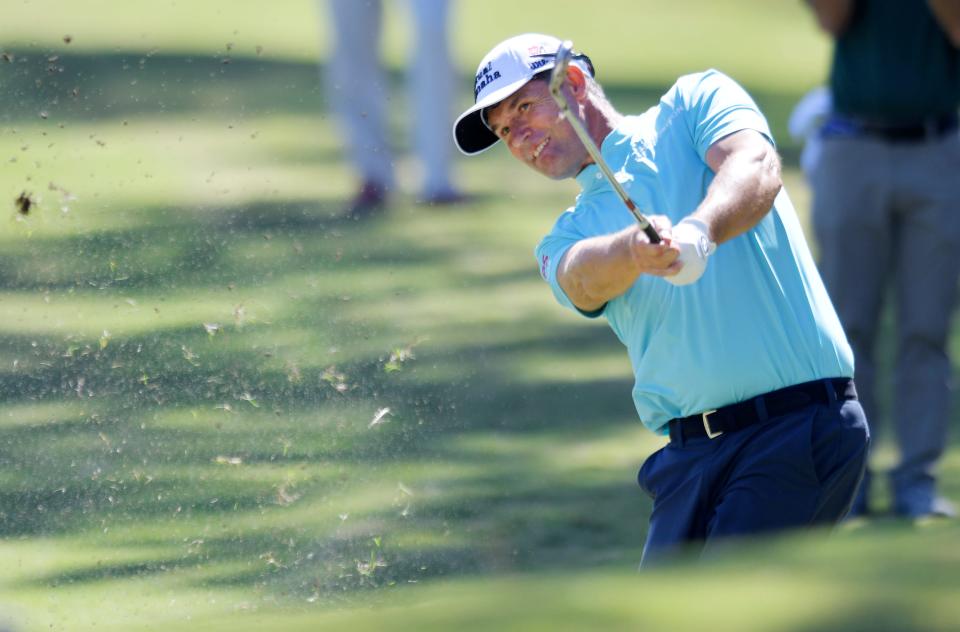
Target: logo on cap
(484,78)
(540,62)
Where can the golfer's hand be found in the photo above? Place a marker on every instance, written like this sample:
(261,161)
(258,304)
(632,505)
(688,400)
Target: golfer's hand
(661,259)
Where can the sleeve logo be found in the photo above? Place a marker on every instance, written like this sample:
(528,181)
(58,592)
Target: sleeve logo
(544,266)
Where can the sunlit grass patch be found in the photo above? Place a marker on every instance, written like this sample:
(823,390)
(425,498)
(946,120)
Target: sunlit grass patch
(44,413)
(84,179)
(88,318)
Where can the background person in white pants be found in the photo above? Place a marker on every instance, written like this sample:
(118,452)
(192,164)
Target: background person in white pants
(358,92)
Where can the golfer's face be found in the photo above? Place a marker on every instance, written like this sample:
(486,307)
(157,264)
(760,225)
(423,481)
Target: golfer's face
(530,124)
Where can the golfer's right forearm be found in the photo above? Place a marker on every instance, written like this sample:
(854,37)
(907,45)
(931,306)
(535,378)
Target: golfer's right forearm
(598,269)
(833,15)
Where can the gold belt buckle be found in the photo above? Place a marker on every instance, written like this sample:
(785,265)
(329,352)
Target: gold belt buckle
(705,416)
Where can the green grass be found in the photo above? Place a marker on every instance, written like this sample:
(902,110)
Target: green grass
(195,345)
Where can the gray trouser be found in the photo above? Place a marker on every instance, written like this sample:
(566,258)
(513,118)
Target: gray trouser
(889,213)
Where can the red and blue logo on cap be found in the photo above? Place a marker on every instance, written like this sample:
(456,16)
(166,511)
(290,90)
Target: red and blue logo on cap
(504,70)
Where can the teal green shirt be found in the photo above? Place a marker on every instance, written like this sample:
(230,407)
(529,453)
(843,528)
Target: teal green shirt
(894,64)
(758,319)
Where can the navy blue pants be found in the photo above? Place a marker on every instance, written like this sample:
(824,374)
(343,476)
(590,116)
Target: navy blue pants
(795,470)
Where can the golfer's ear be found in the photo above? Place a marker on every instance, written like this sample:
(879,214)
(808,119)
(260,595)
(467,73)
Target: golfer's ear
(577,82)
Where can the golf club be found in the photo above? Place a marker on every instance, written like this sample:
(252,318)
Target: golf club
(557,75)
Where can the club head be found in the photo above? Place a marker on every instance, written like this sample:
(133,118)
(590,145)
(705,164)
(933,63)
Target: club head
(560,64)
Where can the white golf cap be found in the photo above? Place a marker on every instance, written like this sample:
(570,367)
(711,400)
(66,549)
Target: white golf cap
(506,69)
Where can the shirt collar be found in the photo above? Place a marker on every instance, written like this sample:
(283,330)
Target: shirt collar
(590,177)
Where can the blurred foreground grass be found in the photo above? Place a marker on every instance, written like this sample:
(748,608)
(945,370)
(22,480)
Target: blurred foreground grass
(226,407)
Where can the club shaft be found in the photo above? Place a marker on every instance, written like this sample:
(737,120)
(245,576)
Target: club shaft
(556,82)
(602,164)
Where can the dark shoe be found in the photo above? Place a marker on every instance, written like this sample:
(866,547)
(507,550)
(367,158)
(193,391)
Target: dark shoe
(370,200)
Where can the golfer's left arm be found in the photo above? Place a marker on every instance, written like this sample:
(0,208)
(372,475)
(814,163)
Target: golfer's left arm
(747,180)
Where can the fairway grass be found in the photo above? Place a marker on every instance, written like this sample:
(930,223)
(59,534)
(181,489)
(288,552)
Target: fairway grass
(226,407)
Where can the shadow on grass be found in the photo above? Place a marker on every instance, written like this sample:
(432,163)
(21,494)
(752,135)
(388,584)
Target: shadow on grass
(212,246)
(67,86)
(182,451)
(109,459)
(186,441)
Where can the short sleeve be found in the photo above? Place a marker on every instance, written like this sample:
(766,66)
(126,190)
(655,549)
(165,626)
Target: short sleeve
(716,106)
(551,250)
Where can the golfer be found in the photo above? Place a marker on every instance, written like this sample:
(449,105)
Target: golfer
(737,352)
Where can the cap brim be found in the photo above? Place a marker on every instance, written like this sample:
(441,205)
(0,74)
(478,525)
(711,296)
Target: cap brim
(470,133)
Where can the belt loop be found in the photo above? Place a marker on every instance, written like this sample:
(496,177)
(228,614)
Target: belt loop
(831,391)
(761,406)
(676,433)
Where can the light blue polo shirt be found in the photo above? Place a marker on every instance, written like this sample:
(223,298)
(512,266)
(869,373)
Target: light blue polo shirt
(758,319)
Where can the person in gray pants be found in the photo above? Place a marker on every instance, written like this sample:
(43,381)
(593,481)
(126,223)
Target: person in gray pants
(886,212)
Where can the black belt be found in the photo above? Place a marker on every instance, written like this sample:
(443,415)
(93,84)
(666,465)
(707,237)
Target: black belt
(737,416)
(928,129)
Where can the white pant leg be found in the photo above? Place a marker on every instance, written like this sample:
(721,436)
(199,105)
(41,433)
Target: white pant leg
(430,83)
(357,89)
